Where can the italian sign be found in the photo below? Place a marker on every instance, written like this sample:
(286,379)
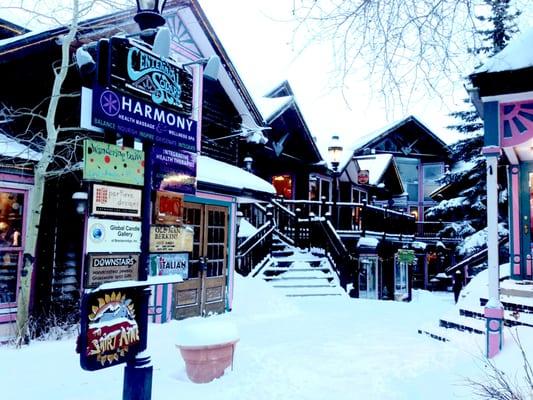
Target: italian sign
(110,333)
(406,256)
(168,208)
(107,235)
(170,238)
(103,268)
(174,171)
(132,116)
(363,177)
(108,162)
(148,75)
(116,201)
(170,264)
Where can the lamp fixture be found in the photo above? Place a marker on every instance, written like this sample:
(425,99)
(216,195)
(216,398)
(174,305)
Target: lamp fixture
(149,14)
(335,151)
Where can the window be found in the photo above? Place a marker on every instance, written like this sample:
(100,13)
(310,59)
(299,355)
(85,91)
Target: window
(313,188)
(408,168)
(432,172)
(11,222)
(283,185)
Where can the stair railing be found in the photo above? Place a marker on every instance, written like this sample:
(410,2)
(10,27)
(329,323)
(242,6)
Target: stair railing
(256,247)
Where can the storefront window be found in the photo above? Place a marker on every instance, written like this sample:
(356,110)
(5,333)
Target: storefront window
(313,189)
(368,278)
(283,185)
(400,280)
(11,213)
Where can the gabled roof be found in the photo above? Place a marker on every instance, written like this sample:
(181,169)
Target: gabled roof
(368,141)
(375,164)
(98,24)
(280,105)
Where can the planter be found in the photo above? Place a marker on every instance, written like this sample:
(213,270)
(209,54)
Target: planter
(205,363)
(207,347)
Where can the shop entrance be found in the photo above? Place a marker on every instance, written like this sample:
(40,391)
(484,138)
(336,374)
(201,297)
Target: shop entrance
(368,277)
(204,291)
(526,223)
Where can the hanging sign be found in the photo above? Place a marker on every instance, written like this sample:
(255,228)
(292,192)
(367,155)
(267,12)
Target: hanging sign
(110,333)
(171,238)
(170,264)
(406,256)
(363,177)
(159,80)
(108,162)
(168,208)
(104,268)
(141,119)
(107,235)
(174,171)
(116,201)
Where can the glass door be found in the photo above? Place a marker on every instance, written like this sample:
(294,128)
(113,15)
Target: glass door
(401,280)
(526,223)
(368,277)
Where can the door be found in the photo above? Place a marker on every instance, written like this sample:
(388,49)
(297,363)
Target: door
(204,291)
(526,220)
(368,278)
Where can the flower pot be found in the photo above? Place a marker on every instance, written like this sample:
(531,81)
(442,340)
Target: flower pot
(207,347)
(207,362)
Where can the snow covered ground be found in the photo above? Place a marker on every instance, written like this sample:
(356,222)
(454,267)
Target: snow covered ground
(308,348)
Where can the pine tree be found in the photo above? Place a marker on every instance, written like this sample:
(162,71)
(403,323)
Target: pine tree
(465,205)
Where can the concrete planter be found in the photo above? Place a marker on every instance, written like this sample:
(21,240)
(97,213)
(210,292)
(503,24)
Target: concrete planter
(205,363)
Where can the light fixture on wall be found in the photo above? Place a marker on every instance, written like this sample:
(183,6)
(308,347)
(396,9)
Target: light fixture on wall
(149,14)
(211,66)
(80,202)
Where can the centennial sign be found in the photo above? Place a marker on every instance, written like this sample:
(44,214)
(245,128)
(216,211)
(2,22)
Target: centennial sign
(141,119)
(174,171)
(171,238)
(110,333)
(136,69)
(115,200)
(170,264)
(108,162)
(104,268)
(107,235)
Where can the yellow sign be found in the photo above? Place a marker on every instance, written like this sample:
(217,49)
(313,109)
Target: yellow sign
(170,238)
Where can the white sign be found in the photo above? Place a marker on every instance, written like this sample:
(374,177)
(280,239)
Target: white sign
(107,235)
(115,200)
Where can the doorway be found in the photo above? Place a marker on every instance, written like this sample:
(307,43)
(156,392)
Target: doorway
(204,292)
(368,277)
(526,220)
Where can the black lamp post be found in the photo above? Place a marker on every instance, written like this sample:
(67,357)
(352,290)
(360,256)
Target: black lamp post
(149,14)
(334,152)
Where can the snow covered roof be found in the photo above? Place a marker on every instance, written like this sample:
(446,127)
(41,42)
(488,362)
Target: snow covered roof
(376,164)
(10,147)
(217,172)
(516,55)
(270,106)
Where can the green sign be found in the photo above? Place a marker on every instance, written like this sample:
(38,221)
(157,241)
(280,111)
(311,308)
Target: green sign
(406,256)
(111,163)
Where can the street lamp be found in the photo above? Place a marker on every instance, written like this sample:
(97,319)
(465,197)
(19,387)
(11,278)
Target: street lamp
(334,152)
(149,14)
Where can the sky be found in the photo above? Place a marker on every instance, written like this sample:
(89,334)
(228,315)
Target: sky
(258,37)
(289,348)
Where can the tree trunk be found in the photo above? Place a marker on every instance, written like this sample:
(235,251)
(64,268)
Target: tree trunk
(36,201)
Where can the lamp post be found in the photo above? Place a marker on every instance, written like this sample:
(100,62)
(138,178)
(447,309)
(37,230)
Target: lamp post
(139,370)
(334,151)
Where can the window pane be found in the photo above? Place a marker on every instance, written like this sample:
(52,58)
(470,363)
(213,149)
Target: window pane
(408,169)
(8,276)
(432,172)
(11,207)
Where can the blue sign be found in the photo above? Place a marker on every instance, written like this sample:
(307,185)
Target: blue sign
(174,171)
(129,115)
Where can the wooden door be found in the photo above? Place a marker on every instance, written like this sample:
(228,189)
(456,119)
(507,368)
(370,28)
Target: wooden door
(204,291)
